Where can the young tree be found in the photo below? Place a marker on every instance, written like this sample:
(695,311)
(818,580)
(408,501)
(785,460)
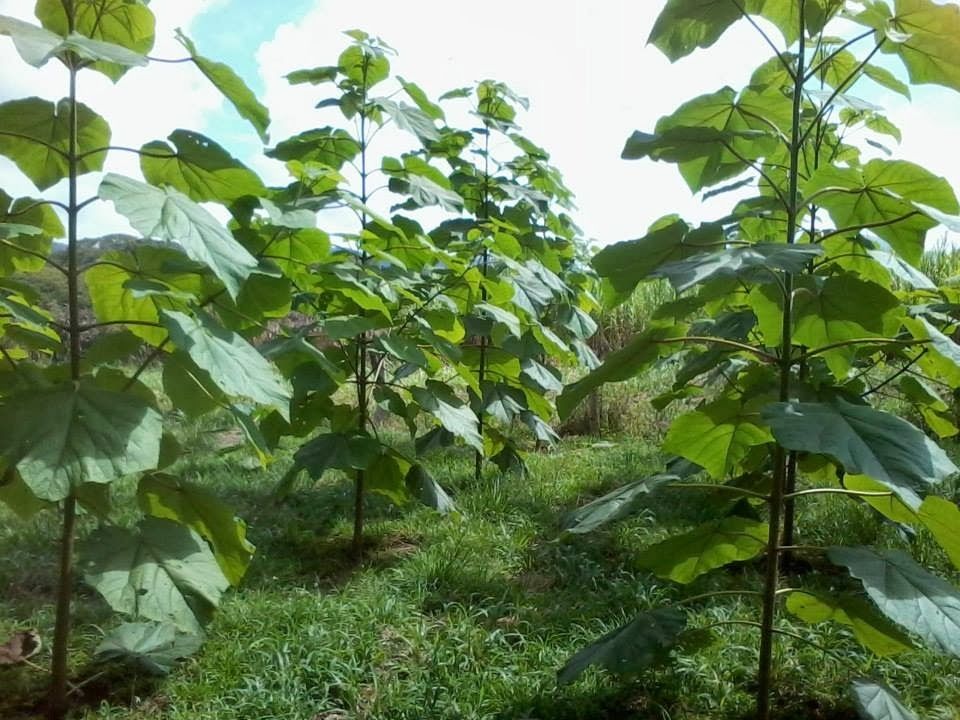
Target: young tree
(797,311)
(73,423)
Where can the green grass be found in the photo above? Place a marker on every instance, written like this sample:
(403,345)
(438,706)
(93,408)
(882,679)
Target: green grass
(457,618)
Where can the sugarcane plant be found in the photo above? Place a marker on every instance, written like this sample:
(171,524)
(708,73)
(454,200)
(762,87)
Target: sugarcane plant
(797,314)
(76,417)
(390,311)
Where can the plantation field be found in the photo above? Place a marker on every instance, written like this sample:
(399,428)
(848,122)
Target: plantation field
(468,616)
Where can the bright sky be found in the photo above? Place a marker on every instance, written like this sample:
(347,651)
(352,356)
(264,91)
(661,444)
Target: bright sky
(584,65)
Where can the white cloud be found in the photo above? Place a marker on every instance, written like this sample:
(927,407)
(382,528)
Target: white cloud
(591,79)
(146,104)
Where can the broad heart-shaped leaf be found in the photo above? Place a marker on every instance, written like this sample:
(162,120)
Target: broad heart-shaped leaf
(454,415)
(60,437)
(871,629)
(613,506)
(626,263)
(339,451)
(330,146)
(685,25)
(152,648)
(164,572)
(942,357)
(875,701)
(234,365)
(421,485)
(924,35)
(739,261)
(37,45)
(119,22)
(883,191)
(411,119)
(685,557)
(717,436)
(19,252)
(942,518)
(232,87)
(199,168)
(167,214)
(864,441)
(43,138)
(919,602)
(827,311)
(165,496)
(641,352)
(643,642)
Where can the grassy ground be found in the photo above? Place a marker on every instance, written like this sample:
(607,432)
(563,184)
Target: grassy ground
(467,617)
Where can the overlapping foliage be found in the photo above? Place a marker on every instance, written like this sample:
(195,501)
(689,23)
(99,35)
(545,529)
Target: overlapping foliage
(264,319)
(483,301)
(795,314)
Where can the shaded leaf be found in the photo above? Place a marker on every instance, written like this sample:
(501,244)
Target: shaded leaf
(164,496)
(234,365)
(614,505)
(164,572)
(864,441)
(643,642)
(60,437)
(875,701)
(152,648)
(919,602)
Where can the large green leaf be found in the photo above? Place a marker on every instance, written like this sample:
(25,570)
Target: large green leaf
(828,311)
(864,441)
(685,557)
(875,701)
(717,436)
(152,648)
(120,22)
(164,572)
(626,263)
(126,286)
(165,496)
(330,146)
(199,168)
(942,518)
(233,364)
(37,46)
(941,359)
(232,87)
(685,25)
(454,415)
(42,139)
(880,195)
(717,136)
(28,231)
(421,485)
(741,261)
(167,214)
(919,602)
(643,642)
(871,629)
(641,352)
(61,437)
(614,505)
(339,451)
(923,34)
